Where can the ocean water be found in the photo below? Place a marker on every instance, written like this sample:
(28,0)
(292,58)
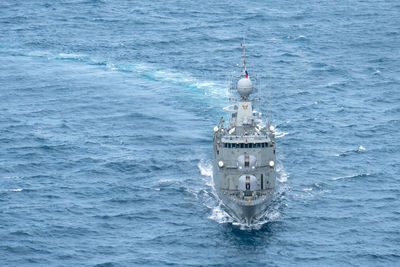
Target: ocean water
(106,117)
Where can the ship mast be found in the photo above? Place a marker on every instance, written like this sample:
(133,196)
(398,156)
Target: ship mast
(244,56)
(244,72)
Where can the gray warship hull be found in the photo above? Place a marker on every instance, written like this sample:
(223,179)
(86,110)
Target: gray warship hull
(244,155)
(245,208)
(246,211)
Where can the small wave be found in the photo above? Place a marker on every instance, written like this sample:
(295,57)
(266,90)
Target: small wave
(360,149)
(350,176)
(169,181)
(311,191)
(334,85)
(287,54)
(14,190)
(301,38)
(12,177)
(377,72)
(71,56)
(279,134)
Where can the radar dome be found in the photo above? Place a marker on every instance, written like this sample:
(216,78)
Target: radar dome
(245,87)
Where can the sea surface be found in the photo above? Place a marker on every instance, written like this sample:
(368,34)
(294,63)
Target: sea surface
(107,111)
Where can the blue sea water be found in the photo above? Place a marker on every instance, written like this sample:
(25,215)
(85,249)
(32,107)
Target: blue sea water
(106,117)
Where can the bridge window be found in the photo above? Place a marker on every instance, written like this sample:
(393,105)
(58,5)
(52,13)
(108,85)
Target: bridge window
(246,145)
(241,145)
(250,145)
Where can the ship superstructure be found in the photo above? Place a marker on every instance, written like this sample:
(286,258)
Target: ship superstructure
(244,155)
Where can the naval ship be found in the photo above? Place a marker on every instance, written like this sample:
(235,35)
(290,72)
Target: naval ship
(244,154)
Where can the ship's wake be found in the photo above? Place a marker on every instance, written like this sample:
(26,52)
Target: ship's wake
(222,216)
(151,72)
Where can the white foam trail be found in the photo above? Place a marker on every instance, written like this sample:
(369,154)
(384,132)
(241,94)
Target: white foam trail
(220,216)
(205,168)
(269,216)
(212,201)
(282,174)
(209,88)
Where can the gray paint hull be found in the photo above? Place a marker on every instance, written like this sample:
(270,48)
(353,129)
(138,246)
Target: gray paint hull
(246,211)
(244,155)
